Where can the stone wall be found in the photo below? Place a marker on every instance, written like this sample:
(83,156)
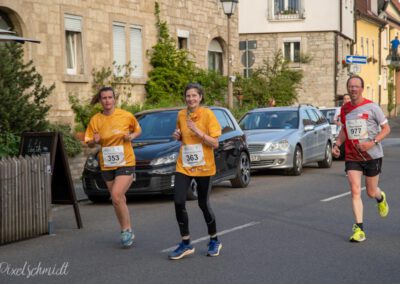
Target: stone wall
(318,84)
(44,20)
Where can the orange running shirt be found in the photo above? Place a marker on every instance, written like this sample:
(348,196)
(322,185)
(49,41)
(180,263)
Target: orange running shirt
(206,121)
(112,129)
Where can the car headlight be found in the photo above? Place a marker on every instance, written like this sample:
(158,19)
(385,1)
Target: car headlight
(91,163)
(282,145)
(168,159)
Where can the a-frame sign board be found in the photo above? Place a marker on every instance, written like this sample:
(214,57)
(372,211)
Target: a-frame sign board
(62,187)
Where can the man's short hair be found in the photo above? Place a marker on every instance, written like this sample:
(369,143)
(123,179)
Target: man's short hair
(355,77)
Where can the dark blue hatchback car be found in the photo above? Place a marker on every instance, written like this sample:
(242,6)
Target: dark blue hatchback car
(156,154)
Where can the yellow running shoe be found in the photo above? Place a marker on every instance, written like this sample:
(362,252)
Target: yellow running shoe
(383,207)
(358,235)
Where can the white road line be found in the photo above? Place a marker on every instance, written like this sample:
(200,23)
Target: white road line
(339,196)
(219,234)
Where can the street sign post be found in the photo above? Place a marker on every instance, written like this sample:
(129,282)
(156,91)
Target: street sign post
(355,59)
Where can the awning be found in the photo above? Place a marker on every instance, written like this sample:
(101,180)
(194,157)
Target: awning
(6,35)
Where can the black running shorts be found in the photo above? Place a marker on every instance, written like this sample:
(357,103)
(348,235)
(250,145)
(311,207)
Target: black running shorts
(369,168)
(122,171)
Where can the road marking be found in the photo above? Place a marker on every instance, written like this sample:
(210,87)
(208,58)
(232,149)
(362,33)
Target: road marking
(339,196)
(219,234)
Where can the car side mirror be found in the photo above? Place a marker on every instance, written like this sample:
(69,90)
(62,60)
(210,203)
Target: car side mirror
(308,128)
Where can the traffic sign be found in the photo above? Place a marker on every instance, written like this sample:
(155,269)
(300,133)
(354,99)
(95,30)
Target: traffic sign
(355,59)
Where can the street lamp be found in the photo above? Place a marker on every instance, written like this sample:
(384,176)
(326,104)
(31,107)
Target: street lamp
(229,7)
(388,60)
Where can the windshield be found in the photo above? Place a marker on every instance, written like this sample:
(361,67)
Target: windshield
(330,114)
(270,120)
(157,125)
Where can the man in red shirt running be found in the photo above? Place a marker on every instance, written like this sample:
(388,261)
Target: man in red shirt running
(364,128)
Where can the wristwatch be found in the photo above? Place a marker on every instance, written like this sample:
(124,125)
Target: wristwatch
(376,142)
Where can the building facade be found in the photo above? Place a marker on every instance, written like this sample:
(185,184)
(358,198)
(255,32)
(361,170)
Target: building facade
(370,42)
(79,36)
(322,31)
(390,11)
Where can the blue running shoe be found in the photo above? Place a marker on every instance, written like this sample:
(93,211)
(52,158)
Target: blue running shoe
(214,248)
(127,238)
(181,251)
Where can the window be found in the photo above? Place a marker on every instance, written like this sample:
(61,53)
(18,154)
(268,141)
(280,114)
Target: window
(135,56)
(73,42)
(224,121)
(183,39)
(119,47)
(306,118)
(136,51)
(182,43)
(367,44)
(291,51)
(5,22)
(215,57)
(286,6)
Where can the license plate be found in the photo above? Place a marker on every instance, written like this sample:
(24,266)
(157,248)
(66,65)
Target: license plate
(254,158)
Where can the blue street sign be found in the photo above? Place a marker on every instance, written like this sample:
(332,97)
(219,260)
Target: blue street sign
(355,59)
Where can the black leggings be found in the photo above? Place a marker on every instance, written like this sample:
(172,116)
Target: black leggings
(182,183)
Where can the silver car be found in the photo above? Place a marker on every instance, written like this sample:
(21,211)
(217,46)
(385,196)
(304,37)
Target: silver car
(287,138)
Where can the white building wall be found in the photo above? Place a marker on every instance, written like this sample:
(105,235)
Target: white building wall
(319,15)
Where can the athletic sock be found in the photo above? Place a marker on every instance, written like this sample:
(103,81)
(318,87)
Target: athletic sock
(360,225)
(214,238)
(379,200)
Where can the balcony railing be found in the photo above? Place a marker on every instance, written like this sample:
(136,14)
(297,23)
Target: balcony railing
(287,15)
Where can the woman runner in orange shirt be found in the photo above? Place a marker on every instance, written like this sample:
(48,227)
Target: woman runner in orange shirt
(198,130)
(113,129)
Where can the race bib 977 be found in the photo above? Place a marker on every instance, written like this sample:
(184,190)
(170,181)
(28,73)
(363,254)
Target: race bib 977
(357,129)
(113,156)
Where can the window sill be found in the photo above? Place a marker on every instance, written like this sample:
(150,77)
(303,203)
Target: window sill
(79,78)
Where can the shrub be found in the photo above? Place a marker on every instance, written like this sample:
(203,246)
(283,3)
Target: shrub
(274,79)
(72,145)
(9,144)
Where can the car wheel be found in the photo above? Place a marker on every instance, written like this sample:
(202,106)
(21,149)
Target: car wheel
(98,199)
(327,161)
(242,178)
(192,191)
(297,162)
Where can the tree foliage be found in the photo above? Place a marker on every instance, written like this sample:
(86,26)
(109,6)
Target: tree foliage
(23,98)
(274,79)
(172,68)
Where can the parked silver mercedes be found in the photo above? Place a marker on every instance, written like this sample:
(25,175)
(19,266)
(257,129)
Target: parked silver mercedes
(287,138)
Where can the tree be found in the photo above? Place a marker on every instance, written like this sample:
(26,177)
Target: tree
(274,79)
(172,69)
(23,98)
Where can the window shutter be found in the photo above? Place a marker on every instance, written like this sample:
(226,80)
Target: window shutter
(136,52)
(119,47)
(73,23)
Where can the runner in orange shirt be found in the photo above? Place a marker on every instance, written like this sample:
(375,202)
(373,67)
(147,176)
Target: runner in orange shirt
(113,129)
(198,129)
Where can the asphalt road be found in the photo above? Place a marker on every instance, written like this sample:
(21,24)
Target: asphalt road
(278,230)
